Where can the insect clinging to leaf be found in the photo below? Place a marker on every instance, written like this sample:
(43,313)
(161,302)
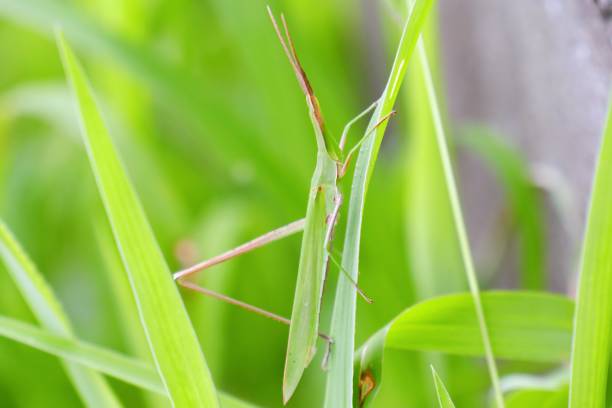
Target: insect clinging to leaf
(322,211)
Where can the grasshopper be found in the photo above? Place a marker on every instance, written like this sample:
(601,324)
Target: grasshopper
(324,203)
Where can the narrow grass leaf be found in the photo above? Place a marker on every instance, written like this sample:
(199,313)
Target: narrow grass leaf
(444,399)
(524,326)
(462,236)
(339,388)
(431,245)
(593,320)
(126,310)
(111,363)
(431,237)
(171,337)
(92,388)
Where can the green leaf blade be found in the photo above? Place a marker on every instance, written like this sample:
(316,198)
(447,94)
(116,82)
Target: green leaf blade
(593,320)
(339,387)
(459,223)
(92,388)
(171,337)
(526,326)
(444,399)
(119,366)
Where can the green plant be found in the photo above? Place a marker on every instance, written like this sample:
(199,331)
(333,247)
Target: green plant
(217,145)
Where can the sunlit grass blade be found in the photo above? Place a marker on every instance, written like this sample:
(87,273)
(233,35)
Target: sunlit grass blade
(126,308)
(339,388)
(524,326)
(92,388)
(444,399)
(512,170)
(111,363)
(462,236)
(171,337)
(593,320)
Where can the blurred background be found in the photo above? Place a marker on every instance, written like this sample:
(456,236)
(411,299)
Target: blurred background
(214,132)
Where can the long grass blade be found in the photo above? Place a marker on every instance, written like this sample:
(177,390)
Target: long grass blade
(111,363)
(339,388)
(431,242)
(462,236)
(593,320)
(171,337)
(126,308)
(524,326)
(431,238)
(92,388)
(444,399)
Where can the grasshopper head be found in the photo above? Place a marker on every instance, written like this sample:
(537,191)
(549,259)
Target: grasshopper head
(324,139)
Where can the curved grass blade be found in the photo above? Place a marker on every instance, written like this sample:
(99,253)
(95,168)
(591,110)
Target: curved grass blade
(524,326)
(111,363)
(593,320)
(512,170)
(171,337)
(92,388)
(462,236)
(444,399)
(339,387)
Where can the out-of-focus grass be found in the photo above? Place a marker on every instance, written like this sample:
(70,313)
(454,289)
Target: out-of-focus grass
(92,388)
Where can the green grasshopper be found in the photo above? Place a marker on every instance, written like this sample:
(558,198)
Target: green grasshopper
(324,203)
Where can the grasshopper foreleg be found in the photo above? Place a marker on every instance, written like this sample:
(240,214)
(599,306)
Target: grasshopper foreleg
(348,126)
(347,159)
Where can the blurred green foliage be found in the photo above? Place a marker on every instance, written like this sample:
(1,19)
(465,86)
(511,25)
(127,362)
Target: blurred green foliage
(214,133)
